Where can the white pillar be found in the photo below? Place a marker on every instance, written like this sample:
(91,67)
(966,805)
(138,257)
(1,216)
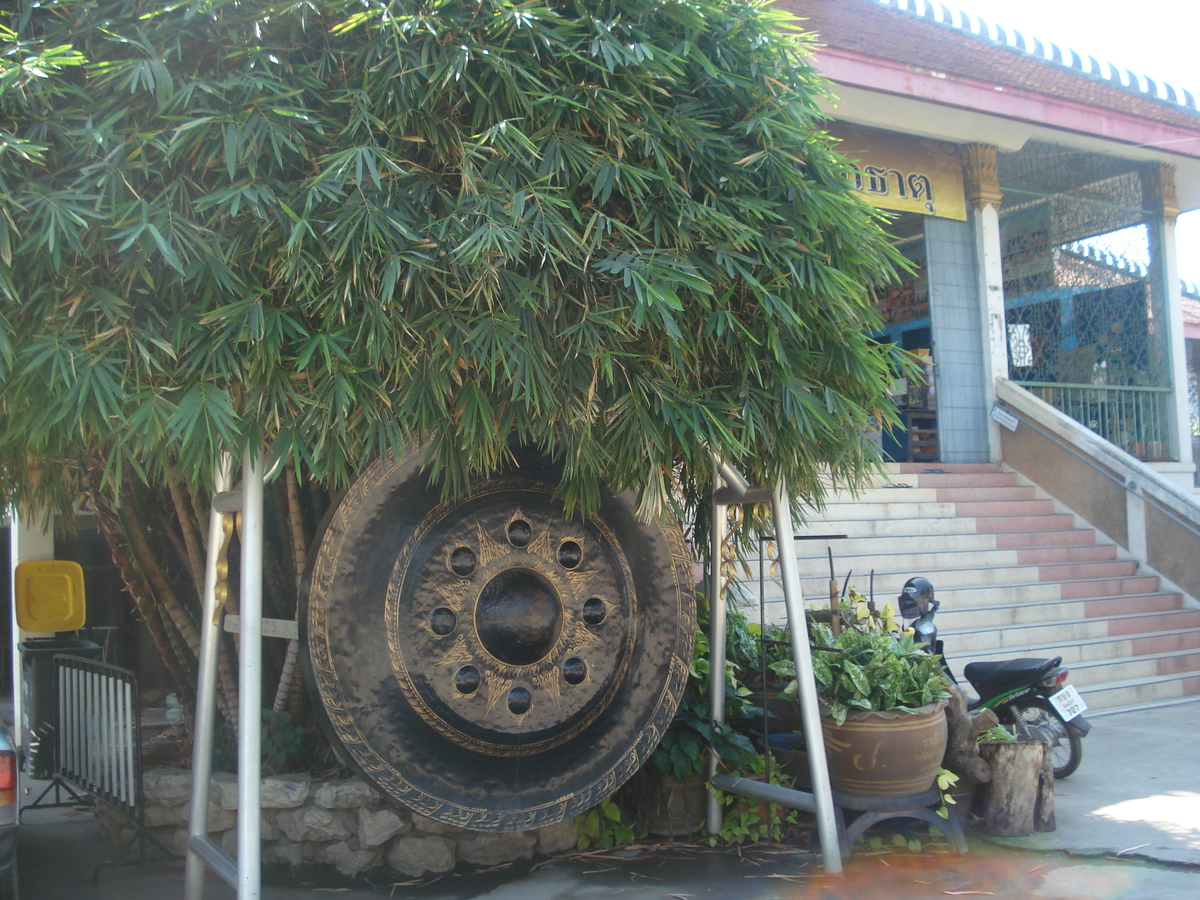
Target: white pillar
(1166,255)
(982,181)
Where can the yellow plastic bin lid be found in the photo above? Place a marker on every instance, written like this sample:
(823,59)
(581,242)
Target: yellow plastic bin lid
(49,595)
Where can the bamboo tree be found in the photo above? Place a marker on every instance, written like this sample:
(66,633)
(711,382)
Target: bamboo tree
(611,229)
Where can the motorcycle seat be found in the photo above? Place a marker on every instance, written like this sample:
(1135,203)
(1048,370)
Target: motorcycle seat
(990,678)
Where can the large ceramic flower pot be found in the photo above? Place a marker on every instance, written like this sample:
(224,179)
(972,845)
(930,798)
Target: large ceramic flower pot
(886,754)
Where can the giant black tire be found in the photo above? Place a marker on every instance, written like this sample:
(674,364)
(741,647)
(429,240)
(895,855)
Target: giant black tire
(1037,718)
(487,659)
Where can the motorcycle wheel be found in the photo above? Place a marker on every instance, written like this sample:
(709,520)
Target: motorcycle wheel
(1037,717)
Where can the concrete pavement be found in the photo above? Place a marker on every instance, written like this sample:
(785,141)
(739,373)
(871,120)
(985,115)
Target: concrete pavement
(1137,792)
(1128,828)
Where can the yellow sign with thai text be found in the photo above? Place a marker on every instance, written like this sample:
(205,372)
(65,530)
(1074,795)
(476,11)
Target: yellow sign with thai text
(902,172)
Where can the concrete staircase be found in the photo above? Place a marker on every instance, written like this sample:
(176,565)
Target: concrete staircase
(1015,577)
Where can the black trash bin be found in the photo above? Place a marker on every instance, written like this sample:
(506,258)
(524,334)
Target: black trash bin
(39,709)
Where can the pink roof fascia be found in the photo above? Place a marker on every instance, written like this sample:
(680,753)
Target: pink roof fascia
(1191,332)
(869,72)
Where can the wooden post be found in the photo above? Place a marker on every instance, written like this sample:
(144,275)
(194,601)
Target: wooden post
(835,612)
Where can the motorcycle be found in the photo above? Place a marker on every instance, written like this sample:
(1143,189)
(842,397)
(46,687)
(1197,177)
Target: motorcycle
(1030,694)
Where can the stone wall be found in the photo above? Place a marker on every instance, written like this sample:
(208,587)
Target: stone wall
(343,823)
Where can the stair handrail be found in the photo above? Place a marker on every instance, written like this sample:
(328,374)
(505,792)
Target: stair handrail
(1122,468)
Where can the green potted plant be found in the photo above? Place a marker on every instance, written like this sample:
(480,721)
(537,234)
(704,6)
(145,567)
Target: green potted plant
(883,700)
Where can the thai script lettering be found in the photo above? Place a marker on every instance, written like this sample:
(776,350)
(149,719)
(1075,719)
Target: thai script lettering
(881,182)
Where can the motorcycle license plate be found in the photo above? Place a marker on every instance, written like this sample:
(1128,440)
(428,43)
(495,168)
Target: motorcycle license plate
(1068,703)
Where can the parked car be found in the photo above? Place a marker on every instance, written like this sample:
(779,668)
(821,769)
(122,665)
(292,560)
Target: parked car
(9,816)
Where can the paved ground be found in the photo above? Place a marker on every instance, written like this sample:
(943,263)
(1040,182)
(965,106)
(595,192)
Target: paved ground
(1128,828)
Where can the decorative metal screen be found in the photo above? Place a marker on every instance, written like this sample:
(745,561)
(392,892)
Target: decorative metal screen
(1082,309)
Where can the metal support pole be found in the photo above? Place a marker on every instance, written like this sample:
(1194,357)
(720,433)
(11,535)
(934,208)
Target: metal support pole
(716,641)
(249,841)
(802,656)
(206,693)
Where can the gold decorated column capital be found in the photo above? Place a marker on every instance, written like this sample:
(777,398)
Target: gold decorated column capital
(981,175)
(1159,187)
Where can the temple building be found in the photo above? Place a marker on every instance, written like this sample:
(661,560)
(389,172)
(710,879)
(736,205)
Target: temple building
(1035,192)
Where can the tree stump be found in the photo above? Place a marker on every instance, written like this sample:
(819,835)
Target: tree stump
(1010,799)
(1043,813)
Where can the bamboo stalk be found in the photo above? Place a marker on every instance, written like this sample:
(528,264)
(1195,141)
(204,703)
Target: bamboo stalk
(139,593)
(187,525)
(288,676)
(148,561)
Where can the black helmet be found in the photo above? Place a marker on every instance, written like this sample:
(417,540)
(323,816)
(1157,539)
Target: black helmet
(916,597)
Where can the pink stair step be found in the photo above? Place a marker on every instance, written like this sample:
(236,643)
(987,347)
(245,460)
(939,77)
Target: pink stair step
(1071,571)
(999,524)
(1116,606)
(1073,537)
(950,480)
(1110,587)
(977,493)
(1177,665)
(986,508)
(1166,643)
(1039,555)
(918,468)
(1186,618)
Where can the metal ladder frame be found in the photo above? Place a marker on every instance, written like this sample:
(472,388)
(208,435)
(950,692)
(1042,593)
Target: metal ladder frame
(731,488)
(245,873)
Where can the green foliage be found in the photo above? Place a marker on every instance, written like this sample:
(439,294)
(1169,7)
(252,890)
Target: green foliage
(945,780)
(774,648)
(874,670)
(745,820)
(286,745)
(604,826)
(913,840)
(998,734)
(683,752)
(610,229)
(283,742)
(907,841)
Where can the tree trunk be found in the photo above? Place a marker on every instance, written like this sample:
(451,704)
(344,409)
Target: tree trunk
(191,538)
(150,564)
(962,743)
(291,677)
(143,601)
(1010,799)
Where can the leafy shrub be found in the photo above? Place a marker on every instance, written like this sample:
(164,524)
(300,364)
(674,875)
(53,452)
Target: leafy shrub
(874,671)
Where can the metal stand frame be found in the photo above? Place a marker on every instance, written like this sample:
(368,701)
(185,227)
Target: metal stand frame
(244,873)
(730,488)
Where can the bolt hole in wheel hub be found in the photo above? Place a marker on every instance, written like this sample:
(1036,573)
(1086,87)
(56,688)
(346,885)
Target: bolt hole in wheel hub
(488,660)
